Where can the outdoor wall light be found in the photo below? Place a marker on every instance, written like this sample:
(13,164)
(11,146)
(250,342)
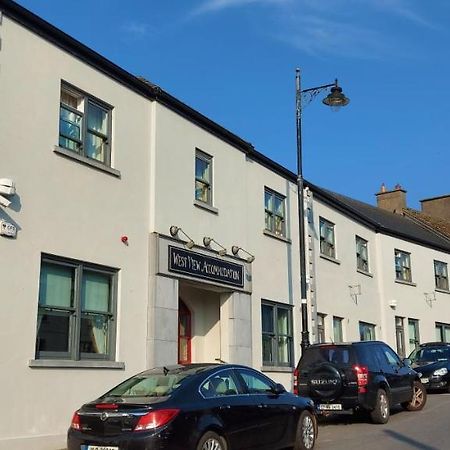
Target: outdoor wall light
(235,250)
(207,243)
(174,230)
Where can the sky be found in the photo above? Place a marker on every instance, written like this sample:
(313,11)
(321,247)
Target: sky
(235,60)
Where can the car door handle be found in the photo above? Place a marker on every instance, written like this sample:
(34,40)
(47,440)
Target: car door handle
(262,406)
(224,407)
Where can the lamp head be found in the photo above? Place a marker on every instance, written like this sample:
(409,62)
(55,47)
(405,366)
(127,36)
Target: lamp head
(207,241)
(174,230)
(336,97)
(235,249)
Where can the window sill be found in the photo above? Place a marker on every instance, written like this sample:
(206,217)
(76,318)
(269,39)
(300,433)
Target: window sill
(86,161)
(442,291)
(206,207)
(367,274)
(408,283)
(329,258)
(277,236)
(69,364)
(281,369)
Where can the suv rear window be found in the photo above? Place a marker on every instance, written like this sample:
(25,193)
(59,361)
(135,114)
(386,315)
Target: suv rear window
(336,354)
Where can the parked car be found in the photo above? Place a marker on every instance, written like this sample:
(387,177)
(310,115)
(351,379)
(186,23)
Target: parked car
(432,362)
(198,407)
(360,376)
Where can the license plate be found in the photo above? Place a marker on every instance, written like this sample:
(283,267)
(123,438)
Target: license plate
(330,407)
(424,380)
(99,447)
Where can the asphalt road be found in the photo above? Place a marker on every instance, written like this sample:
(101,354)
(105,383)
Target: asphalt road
(428,429)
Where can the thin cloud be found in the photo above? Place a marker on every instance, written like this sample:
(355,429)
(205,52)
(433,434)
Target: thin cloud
(135,29)
(219,5)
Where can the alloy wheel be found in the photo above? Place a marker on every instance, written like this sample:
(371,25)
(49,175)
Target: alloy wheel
(212,444)
(384,406)
(308,432)
(418,397)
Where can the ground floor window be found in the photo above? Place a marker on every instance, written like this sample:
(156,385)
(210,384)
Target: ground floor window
(413,331)
(76,310)
(442,332)
(337,330)
(277,336)
(321,328)
(400,336)
(366,331)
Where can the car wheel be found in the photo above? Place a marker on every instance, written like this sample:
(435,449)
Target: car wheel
(380,414)
(306,432)
(211,441)
(419,398)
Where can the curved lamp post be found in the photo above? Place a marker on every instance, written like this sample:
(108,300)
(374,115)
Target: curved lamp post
(335,99)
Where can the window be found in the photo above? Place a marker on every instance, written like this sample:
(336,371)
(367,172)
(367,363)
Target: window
(400,336)
(274,205)
(362,257)
(220,384)
(255,383)
(442,332)
(390,356)
(85,125)
(203,177)
(413,331)
(321,328)
(337,330)
(327,241)
(366,331)
(76,310)
(402,266)
(276,334)
(441,275)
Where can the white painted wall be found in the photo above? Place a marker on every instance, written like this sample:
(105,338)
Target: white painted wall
(64,208)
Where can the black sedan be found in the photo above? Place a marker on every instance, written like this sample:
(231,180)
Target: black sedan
(195,407)
(432,362)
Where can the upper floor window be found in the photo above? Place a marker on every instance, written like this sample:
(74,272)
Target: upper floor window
(85,125)
(366,331)
(275,212)
(327,238)
(441,275)
(277,336)
(320,328)
(338,335)
(362,257)
(76,310)
(203,177)
(403,266)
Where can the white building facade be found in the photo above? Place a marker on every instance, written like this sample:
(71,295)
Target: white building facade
(148,235)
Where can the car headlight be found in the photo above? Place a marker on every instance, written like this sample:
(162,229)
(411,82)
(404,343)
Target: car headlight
(441,372)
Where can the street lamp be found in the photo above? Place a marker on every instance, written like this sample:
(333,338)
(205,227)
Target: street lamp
(335,99)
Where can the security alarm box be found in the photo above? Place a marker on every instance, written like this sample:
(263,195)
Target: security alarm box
(7,229)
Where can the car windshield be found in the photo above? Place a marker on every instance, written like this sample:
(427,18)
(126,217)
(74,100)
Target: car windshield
(153,383)
(430,354)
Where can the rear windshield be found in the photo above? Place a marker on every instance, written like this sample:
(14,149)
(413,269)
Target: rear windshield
(341,355)
(153,383)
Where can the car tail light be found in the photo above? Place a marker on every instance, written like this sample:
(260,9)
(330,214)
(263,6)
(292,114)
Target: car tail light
(296,377)
(106,406)
(362,378)
(75,424)
(156,419)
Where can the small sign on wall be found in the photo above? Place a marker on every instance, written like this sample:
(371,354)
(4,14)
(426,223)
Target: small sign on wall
(7,229)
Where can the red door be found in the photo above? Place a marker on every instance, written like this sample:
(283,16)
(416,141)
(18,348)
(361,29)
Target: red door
(184,333)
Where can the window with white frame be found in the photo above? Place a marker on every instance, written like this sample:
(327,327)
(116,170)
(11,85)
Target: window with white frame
(414,336)
(275,212)
(85,125)
(203,177)
(443,332)
(321,328)
(277,336)
(366,331)
(327,238)
(441,275)
(402,266)
(76,310)
(362,256)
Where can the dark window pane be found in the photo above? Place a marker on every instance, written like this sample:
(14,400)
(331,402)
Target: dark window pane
(97,119)
(267,318)
(95,291)
(94,334)
(267,349)
(53,332)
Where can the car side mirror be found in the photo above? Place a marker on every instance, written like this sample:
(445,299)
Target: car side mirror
(407,362)
(278,389)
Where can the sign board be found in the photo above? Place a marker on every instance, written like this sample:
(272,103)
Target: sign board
(205,267)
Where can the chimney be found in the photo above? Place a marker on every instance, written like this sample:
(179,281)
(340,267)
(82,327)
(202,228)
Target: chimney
(437,207)
(392,201)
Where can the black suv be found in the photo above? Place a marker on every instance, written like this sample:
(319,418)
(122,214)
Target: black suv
(364,376)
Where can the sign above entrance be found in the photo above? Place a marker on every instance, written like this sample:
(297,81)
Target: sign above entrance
(205,267)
